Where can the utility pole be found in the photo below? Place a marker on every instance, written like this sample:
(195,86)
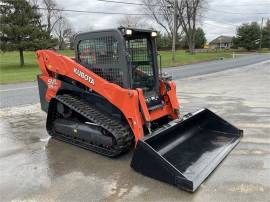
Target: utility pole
(174,31)
(269,36)
(261,35)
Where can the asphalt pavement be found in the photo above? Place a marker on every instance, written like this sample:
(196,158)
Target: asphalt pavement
(215,66)
(18,94)
(27,93)
(34,167)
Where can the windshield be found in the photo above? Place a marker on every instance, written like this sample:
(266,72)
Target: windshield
(140,58)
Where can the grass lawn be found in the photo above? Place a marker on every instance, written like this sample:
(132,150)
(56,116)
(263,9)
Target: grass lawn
(11,72)
(183,58)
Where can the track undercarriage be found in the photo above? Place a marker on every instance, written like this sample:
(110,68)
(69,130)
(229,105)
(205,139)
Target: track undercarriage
(72,120)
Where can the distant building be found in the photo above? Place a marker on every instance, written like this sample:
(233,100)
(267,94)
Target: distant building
(223,42)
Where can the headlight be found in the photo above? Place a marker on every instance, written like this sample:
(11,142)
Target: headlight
(153,34)
(128,32)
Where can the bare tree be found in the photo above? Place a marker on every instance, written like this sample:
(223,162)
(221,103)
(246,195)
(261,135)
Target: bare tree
(71,40)
(133,21)
(188,14)
(161,11)
(34,2)
(52,15)
(63,31)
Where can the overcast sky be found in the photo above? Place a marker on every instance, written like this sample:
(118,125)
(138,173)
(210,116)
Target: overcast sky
(222,17)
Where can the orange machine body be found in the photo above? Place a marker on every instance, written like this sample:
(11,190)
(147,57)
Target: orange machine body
(130,102)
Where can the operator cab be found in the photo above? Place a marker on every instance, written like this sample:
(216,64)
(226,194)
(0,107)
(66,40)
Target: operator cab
(124,56)
(141,54)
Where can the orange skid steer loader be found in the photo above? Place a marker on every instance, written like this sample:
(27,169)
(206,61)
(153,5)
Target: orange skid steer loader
(112,97)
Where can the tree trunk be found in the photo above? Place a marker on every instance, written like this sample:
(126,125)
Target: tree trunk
(49,29)
(191,46)
(21,57)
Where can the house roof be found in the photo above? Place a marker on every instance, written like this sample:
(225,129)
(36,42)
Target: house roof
(222,39)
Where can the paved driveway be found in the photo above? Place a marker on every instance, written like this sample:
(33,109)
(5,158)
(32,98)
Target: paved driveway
(34,167)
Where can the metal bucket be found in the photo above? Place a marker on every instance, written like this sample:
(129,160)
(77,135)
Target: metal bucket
(184,152)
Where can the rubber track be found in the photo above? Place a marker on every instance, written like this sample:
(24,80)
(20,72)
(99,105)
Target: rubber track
(122,135)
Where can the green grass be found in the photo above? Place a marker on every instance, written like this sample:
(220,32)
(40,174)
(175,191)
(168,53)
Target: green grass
(264,50)
(11,72)
(183,58)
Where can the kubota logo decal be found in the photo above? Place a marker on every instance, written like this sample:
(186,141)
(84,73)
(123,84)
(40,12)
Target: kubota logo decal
(84,76)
